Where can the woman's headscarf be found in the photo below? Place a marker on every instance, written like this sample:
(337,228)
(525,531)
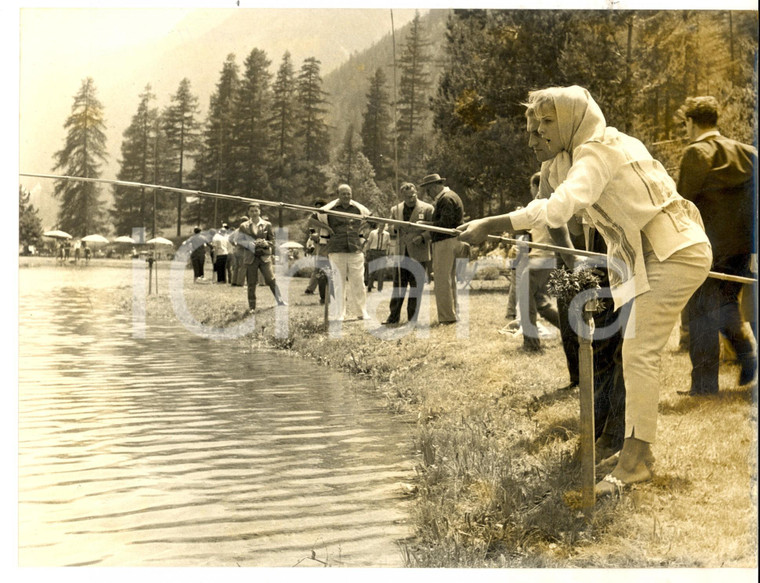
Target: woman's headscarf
(579,119)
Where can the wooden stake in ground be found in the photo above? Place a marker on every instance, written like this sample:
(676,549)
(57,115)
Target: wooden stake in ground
(586,374)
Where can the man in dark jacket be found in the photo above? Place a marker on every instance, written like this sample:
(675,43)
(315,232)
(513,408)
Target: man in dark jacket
(717,174)
(448,212)
(256,238)
(198,244)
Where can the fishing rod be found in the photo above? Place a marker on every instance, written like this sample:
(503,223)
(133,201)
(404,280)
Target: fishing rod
(371,218)
(312,210)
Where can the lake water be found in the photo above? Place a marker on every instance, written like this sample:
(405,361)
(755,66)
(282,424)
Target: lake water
(175,450)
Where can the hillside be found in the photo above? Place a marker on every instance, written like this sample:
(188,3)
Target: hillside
(348,84)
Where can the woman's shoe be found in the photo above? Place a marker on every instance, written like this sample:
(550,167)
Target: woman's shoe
(634,465)
(610,486)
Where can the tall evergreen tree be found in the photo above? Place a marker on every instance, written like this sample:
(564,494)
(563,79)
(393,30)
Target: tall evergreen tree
(216,169)
(413,99)
(181,129)
(29,222)
(252,140)
(81,210)
(133,208)
(376,127)
(284,179)
(493,59)
(311,100)
(303,174)
(284,110)
(638,66)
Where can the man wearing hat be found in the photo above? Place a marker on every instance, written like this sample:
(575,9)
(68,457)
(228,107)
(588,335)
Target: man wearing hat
(448,212)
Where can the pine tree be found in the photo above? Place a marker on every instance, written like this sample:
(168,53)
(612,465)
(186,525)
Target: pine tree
(215,168)
(252,140)
(413,99)
(493,59)
(302,178)
(181,129)
(284,110)
(376,127)
(638,66)
(81,210)
(134,208)
(29,222)
(284,178)
(312,129)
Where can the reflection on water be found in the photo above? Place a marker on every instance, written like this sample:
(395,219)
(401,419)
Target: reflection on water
(173,450)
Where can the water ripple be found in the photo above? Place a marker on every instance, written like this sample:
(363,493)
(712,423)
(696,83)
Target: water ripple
(178,451)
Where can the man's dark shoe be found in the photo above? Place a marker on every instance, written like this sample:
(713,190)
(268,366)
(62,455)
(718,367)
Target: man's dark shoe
(748,372)
(607,446)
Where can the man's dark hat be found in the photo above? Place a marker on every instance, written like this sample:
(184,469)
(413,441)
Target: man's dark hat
(197,230)
(431,179)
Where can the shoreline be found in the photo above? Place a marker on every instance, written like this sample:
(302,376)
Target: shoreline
(497,478)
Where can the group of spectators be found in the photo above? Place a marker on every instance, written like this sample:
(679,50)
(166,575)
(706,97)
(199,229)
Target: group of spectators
(359,253)
(66,250)
(242,255)
(598,190)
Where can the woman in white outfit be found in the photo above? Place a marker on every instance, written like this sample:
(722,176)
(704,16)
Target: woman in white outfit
(657,248)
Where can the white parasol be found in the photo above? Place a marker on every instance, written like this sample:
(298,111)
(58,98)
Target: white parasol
(159,241)
(95,239)
(56,235)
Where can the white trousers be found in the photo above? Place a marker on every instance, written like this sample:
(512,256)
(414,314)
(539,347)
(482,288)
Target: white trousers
(653,316)
(348,280)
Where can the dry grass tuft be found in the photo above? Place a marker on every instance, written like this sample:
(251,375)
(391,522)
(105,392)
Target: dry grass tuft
(497,476)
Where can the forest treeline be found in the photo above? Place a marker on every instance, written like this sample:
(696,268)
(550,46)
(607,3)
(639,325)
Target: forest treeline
(451,104)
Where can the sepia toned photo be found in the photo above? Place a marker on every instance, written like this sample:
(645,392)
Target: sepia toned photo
(388,287)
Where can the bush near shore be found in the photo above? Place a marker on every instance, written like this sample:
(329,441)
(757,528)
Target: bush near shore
(498,477)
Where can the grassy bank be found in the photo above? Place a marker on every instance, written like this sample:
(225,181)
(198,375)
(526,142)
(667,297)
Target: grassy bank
(497,477)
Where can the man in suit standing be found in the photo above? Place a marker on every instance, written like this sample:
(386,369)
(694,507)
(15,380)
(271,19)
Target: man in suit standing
(410,251)
(256,237)
(717,175)
(448,212)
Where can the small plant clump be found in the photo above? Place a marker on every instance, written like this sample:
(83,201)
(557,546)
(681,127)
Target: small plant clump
(565,284)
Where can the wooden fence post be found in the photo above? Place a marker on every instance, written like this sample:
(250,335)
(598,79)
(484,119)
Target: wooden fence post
(586,373)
